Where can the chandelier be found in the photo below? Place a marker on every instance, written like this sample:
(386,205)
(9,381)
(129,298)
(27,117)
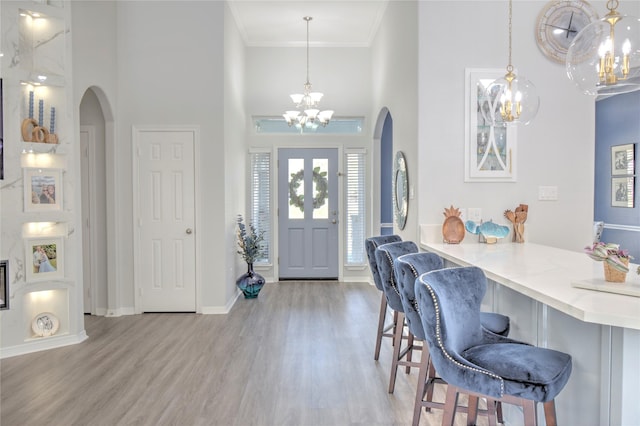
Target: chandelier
(604,57)
(514,98)
(308,102)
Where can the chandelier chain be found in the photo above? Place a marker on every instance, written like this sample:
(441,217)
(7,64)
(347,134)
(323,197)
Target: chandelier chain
(510,67)
(308,18)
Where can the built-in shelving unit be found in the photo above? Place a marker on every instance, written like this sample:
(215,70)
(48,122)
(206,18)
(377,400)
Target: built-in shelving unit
(40,203)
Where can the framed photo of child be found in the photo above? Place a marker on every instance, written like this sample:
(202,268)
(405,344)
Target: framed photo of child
(42,189)
(44,258)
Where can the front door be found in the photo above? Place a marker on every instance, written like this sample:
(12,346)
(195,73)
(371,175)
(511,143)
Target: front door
(165,249)
(308,213)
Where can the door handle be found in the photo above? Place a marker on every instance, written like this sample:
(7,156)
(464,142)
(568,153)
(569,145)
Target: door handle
(189,231)
(334,221)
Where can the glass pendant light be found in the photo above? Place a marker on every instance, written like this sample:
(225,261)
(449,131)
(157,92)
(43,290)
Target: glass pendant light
(512,99)
(604,57)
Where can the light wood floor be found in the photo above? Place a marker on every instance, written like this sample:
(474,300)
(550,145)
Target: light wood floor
(301,354)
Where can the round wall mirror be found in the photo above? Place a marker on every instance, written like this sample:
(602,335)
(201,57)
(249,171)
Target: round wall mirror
(400,190)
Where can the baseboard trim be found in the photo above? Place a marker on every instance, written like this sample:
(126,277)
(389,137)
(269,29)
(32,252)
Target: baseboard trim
(43,344)
(220,310)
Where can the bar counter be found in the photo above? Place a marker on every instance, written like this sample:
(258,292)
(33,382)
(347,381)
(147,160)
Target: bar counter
(535,286)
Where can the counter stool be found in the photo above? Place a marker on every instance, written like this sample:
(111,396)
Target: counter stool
(385,256)
(477,362)
(371,244)
(408,268)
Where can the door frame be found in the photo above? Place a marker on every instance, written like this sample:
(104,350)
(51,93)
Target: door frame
(135,130)
(274,205)
(90,259)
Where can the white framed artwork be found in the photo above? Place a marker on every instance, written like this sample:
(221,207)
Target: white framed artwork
(490,150)
(44,258)
(42,189)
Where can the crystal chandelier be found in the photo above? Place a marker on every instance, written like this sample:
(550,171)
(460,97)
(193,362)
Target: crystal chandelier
(604,57)
(515,98)
(308,102)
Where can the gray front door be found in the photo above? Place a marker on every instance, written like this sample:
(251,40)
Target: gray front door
(308,213)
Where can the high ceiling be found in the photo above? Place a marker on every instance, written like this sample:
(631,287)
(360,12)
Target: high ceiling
(336,23)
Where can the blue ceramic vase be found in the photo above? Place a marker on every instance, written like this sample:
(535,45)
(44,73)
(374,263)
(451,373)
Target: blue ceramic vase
(250,283)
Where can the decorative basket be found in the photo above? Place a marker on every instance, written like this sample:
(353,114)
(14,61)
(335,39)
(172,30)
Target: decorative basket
(612,275)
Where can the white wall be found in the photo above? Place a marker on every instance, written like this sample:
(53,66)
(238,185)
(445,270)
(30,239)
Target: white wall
(394,80)
(556,149)
(235,155)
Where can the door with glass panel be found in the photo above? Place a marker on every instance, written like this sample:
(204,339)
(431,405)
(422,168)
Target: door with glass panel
(308,213)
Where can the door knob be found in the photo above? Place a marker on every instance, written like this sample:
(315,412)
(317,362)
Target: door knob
(189,231)
(334,221)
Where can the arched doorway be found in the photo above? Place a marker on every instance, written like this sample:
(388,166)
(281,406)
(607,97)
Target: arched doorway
(96,164)
(383,170)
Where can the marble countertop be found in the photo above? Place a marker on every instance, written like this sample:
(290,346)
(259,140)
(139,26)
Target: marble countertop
(546,274)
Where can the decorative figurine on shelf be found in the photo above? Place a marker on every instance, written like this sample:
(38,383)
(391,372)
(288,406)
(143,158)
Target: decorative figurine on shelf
(518,218)
(488,231)
(249,243)
(452,228)
(33,130)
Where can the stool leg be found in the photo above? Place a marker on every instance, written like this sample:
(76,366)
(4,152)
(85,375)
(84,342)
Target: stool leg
(383,314)
(431,376)
(397,346)
(450,405)
(422,384)
(472,410)
(550,413)
(529,411)
(410,351)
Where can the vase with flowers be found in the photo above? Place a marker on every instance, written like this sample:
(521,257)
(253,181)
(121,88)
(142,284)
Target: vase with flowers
(616,260)
(249,246)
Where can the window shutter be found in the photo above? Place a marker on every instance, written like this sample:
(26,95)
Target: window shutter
(260,192)
(356,219)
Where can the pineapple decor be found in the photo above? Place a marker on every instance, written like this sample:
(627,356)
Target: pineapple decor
(452,228)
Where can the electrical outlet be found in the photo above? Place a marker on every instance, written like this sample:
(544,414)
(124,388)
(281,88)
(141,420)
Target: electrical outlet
(463,214)
(474,214)
(548,193)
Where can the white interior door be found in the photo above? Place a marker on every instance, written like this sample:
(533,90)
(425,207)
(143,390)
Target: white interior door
(308,213)
(165,252)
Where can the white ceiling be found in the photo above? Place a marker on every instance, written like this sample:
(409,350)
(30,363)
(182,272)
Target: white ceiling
(336,23)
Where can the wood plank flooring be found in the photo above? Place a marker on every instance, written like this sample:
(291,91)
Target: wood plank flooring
(300,354)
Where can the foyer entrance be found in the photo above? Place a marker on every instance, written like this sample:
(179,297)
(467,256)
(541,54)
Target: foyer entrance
(308,213)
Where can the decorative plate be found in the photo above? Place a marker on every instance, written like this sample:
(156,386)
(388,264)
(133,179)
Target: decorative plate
(45,324)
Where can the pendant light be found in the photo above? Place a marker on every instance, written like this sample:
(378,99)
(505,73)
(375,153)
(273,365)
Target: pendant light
(512,99)
(308,101)
(604,57)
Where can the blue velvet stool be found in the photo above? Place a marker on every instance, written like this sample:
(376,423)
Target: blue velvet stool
(385,256)
(407,269)
(371,244)
(477,362)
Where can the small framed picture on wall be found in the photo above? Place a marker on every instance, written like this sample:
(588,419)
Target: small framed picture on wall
(622,160)
(622,191)
(44,258)
(42,189)
(4,285)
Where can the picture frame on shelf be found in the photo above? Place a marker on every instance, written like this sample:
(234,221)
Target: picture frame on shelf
(42,189)
(44,258)
(622,191)
(623,159)
(4,285)
(490,152)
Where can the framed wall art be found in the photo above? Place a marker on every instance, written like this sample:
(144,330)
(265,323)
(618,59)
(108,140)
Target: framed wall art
(622,192)
(44,258)
(623,160)
(490,146)
(4,285)
(42,189)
